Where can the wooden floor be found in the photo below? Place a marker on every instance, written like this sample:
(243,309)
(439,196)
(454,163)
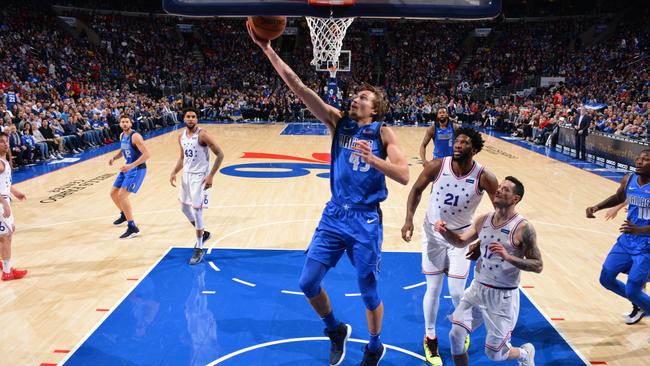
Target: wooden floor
(78,265)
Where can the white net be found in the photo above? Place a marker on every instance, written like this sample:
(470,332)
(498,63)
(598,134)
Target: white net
(327,38)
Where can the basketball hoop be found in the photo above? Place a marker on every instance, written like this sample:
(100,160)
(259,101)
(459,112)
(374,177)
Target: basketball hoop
(327,34)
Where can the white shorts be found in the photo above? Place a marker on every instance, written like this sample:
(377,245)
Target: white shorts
(438,256)
(498,309)
(193,190)
(6,224)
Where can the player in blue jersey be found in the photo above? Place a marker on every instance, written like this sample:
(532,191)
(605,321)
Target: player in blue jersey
(637,313)
(441,132)
(363,152)
(631,253)
(332,94)
(131,174)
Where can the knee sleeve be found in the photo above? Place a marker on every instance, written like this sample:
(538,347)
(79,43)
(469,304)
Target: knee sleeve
(198,216)
(368,288)
(310,279)
(457,337)
(187,211)
(500,355)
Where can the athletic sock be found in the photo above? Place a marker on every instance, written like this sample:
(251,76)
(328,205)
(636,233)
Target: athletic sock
(6,265)
(330,321)
(373,345)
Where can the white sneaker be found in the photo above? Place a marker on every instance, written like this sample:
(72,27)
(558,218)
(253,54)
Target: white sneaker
(530,358)
(634,316)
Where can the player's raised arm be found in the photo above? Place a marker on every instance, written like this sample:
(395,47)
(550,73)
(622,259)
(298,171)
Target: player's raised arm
(428,175)
(611,201)
(321,110)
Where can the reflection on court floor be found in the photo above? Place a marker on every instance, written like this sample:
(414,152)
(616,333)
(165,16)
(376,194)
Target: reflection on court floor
(244,307)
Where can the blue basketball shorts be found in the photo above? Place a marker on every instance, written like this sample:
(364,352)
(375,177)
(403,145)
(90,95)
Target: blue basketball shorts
(356,231)
(131,180)
(622,259)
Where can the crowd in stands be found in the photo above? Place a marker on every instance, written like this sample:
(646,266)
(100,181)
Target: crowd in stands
(609,79)
(61,94)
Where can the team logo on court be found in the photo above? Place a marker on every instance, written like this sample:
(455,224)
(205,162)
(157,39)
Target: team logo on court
(282,166)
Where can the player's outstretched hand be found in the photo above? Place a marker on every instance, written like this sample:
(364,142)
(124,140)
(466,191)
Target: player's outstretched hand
(172,180)
(474,251)
(264,44)
(407,231)
(110,162)
(590,211)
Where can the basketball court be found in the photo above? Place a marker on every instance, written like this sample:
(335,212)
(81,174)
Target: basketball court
(93,299)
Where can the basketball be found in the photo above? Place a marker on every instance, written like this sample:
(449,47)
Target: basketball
(268,28)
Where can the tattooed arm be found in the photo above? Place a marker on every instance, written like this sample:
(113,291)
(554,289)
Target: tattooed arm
(527,256)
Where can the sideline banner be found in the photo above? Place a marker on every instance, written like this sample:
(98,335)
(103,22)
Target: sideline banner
(608,149)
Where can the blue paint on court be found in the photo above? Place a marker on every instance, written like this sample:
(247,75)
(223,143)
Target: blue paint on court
(168,319)
(318,129)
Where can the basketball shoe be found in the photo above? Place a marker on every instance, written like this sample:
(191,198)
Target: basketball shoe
(530,358)
(131,231)
(634,316)
(14,274)
(197,257)
(372,358)
(431,353)
(338,337)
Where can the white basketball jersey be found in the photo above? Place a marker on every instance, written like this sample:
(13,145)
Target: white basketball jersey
(491,269)
(455,199)
(196,158)
(5,179)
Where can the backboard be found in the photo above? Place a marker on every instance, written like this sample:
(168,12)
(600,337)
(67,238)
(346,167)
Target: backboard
(417,9)
(344,63)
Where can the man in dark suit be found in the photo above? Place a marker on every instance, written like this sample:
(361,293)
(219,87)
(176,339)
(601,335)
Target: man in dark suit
(581,125)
